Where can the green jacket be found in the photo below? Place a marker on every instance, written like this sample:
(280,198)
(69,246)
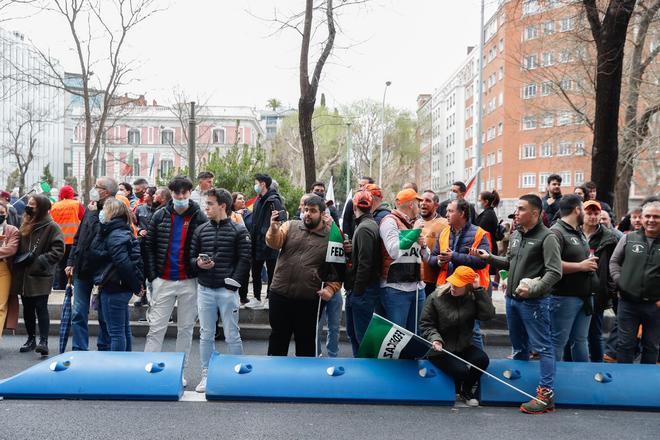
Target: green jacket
(366,260)
(450,319)
(635,267)
(531,254)
(574,248)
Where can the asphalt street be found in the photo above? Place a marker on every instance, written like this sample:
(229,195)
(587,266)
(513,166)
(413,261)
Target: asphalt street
(23,419)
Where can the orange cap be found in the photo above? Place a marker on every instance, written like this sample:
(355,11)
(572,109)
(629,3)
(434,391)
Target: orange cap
(462,276)
(124,200)
(592,203)
(363,199)
(375,190)
(407,195)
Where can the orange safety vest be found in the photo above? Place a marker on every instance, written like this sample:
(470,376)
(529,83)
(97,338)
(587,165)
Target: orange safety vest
(65,214)
(484,275)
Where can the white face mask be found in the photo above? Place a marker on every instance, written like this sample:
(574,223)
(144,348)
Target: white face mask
(94,195)
(180,204)
(102,216)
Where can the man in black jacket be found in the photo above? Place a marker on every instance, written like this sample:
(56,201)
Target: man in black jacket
(221,251)
(362,280)
(458,192)
(268,200)
(83,275)
(168,267)
(552,198)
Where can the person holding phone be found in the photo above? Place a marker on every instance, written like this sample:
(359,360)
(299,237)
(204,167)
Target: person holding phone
(9,240)
(552,197)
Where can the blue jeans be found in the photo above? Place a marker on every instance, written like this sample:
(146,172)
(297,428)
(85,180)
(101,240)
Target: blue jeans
(570,325)
(596,340)
(82,292)
(403,308)
(477,338)
(209,303)
(363,307)
(350,326)
(114,307)
(331,314)
(529,329)
(630,315)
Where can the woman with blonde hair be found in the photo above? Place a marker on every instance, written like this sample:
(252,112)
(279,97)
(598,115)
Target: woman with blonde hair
(119,273)
(9,240)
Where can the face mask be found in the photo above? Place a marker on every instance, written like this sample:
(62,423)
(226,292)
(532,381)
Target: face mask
(3,218)
(452,195)
(94,195)
(139,195)
(29,210)
(320,194)
(102,216)
(257,188)
(180,204)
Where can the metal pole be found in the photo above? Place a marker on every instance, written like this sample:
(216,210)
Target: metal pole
(382,139)
(191,142)
(349,139)
(480,112)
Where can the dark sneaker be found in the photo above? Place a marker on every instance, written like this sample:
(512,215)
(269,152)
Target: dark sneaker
(546,404)
(42,348)
(29,345)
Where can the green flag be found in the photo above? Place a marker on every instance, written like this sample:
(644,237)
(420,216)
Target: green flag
(45,187)
(410,248)
(386,340)
(335,252)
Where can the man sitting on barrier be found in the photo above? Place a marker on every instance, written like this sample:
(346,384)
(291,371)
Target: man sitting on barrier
(534,264)
(301,279)
(448,320)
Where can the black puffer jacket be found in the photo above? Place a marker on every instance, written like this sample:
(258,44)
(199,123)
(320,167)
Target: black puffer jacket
(82,242)
(228,245)
(157,242)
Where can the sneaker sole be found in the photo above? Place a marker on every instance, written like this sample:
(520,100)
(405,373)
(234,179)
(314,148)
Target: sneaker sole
(524,411)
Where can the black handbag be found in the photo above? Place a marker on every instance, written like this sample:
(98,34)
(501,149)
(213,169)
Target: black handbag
(26,258)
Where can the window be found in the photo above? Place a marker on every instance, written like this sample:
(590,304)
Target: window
(565,178)
(501,45)
(136,167)
(167,137)
(566,84)
(528,181)
(579,177)
(528,151)
(531,7)
(166,167)
(566,24)
(579,149)
(564,118)
(218,135)
(529,122)
(549,28)
(564,149)
(501,99)
(134,136)
(547,58)
(499,183)
(500,73)
(543,178)
(530,33)
(500,129)
(529,62)
(529,91)
(546,149)
(546,88)
(565,56)
(548,120)
(499,156)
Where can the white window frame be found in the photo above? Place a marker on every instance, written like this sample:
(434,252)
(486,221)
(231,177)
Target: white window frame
(546,149)
(224,136)
(548,28)
(136,135)
(547,120)
(528,151)
(530,62)
(546,88)
(579,148)
(529,122)
(579,177)
(528,180)
(566,24)
(529,91)
(164,132)
(547,59)
(564,148)
(566,178)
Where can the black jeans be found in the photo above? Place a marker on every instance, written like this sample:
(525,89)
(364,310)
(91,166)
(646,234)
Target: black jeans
(33,308)
(60,277)
(464,376)
(297,317)
(257,265)
(630,316)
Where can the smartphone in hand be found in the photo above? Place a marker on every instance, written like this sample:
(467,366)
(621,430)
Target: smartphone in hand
(281,215)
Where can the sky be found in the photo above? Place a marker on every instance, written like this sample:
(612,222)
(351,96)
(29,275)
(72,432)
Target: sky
(226,52)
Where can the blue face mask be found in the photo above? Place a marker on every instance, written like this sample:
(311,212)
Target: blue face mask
(257,188)
(180,204)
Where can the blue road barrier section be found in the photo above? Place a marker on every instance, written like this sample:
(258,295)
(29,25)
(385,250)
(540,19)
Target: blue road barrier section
(342,380)
(577,384)
(100,376)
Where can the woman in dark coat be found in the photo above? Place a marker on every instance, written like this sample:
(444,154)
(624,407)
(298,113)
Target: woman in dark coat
(33,277)
(119,273)
(487,220)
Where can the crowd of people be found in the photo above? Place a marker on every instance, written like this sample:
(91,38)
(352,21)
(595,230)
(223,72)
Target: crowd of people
(560,260)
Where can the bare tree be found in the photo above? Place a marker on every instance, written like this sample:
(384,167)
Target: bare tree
(180,109)
(99,31)
(23,131)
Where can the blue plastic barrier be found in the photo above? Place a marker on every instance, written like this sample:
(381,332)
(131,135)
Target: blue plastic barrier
(348,380)
(577,384)
(100,375)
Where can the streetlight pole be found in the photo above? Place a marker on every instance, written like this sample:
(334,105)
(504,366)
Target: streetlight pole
(191,142)
(382,138)
(349,139)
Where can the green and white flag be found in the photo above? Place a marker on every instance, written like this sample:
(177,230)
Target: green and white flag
(386,340)
(411,251)
(335,252)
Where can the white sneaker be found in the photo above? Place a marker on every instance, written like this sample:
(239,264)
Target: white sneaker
(262,305)
(184,382)
(201,387)
(253,304)
(470,400)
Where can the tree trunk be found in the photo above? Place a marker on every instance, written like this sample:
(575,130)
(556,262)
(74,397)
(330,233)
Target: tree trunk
(305,113)
(622,189)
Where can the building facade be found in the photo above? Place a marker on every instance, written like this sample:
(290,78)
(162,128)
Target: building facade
(424,140)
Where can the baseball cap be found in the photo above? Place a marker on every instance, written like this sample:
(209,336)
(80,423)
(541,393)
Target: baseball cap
(592,204)
(375,190)
(363,199)
(462,276)
(407,195)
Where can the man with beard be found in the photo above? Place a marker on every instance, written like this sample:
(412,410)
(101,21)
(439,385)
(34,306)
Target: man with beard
(432,225)
(571,303)
(301,279)
(552,197)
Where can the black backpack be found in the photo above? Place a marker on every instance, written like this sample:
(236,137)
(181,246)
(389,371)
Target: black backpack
(499,232)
